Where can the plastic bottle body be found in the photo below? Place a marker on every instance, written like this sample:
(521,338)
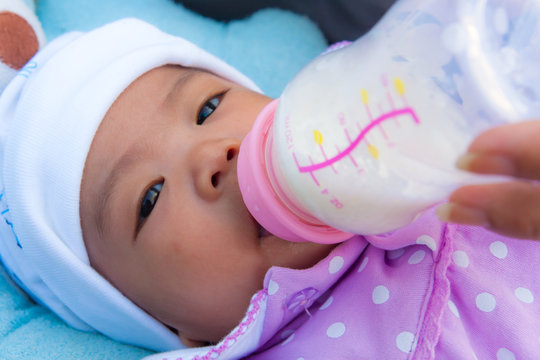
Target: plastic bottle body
(366,137)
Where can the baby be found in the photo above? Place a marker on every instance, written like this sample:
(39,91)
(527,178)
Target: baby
(172,83)
(173,135)
(135,151)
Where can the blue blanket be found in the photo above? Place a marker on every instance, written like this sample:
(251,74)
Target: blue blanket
(270,47)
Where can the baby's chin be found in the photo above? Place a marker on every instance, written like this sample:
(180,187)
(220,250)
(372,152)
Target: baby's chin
(290,254)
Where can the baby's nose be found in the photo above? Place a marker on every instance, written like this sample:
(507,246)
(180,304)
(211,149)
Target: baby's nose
(216,166)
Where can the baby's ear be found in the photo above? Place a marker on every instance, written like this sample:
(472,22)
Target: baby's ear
(21,36)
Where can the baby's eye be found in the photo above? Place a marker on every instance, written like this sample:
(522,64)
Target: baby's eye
(148,202)
(208,108)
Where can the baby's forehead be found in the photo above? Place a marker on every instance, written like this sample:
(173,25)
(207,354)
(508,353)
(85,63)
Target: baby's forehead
(149,82)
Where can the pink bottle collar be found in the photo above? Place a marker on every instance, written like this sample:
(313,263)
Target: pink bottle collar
(259,196)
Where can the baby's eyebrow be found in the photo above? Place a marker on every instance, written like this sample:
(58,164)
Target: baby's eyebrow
(189,75)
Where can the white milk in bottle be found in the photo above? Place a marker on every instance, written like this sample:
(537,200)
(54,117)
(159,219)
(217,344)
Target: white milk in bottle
(365,138)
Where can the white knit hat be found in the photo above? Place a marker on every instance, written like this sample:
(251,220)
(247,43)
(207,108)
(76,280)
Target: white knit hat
(49,114)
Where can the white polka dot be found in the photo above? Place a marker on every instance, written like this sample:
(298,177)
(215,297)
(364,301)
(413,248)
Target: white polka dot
(505,354)
(380,295)
(417,257)
(288,340)
(453,308)
(336,330)
(428,241)
(300,358)
(404,341)
(485,302)
(498,249)
(460,258)
(394,254)
(335,264)
(363,264)
(524,294)
(327,303)
(273,287)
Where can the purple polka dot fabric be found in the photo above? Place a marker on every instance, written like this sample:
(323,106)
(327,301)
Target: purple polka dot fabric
(453,292)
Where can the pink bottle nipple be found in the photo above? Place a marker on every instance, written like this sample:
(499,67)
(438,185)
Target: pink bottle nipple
(262,199)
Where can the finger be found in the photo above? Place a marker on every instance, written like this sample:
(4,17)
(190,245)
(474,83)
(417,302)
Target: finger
(511,209)
(512,149)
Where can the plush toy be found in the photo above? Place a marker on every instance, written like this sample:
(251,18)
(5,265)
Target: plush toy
(270,39)
(270,46)
(21,36)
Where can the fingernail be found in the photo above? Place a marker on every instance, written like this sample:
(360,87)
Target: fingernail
(456,213)
(443,212)
(486,164)
(464,161)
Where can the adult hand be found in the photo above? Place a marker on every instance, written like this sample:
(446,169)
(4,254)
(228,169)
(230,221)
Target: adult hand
(511,208)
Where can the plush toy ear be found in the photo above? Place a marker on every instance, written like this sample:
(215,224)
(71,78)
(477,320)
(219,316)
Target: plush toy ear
(21,36)
(18,41)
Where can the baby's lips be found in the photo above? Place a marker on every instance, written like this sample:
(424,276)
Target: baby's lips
(18,41)
(263,232)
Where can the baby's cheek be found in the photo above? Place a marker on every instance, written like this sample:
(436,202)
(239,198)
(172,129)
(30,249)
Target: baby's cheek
(18,42)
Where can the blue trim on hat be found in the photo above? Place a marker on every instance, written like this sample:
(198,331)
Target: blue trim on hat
(28,69)
(9,223)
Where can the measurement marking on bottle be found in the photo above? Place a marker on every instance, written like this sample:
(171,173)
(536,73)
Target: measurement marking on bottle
(326,158)
(354,143)
(312,175)
(355,164)
(374,123)
(333,200)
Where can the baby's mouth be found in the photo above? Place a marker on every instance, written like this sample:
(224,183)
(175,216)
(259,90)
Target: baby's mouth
(263,232)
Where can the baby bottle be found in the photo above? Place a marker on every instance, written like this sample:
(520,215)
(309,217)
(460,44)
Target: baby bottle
(365,137)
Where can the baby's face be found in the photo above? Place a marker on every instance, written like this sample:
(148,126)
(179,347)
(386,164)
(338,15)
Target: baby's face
(162,215)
